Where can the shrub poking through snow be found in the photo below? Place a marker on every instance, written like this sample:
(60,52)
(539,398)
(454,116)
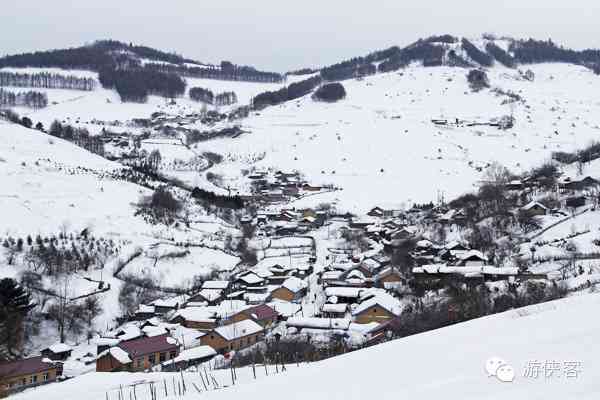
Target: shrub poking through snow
(330,92)
(478,79)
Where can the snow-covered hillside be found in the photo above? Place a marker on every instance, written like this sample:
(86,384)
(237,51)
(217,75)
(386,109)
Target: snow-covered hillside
(555,339)
(379,144)
(47,181)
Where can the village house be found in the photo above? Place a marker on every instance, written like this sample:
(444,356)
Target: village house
(472,258)
(304,324)
(279,274)
(138,354)
(29,372)
(163,306)
(236,336)
(143,313)
(344,294)
(189,357)
(262,314)
(384,331)
(57,352)
(249,279)
(207,296)
(329,277)
(200,318)
(534,208)
(304,270)
(578,183)
(216,285)
(337,310)
(377,308)
(292,290)
(390,276)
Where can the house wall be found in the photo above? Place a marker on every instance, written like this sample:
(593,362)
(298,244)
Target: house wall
(108,363)
(17,382)
(144,362)
(374,313)
(221,345)
(390,278)
(199,325)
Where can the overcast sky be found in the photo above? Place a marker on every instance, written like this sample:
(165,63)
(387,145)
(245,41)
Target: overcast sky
(282,35)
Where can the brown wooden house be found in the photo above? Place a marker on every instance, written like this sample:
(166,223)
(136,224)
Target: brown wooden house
(195,318)
(29,372)
(138,354)
(379,308)
(236,336)
(292,290)
(57,352)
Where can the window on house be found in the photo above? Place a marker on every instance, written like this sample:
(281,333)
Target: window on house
(140,362)
(33,379)
(45,376)
(162,357)
(374,310)
(173,354)
(24,381)
(152,359)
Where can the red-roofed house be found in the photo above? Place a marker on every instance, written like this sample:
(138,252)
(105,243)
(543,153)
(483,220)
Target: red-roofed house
(15,375)
(262,314)
(138,354)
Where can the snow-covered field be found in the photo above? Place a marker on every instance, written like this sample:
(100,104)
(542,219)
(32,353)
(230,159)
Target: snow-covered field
(177,267)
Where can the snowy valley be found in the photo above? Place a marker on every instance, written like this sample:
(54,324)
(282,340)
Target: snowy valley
(228,230)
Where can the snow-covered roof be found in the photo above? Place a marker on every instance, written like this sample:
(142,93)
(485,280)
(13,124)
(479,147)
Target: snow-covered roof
(371,264)
(251,279)
(390,303)
(256,297)
(57,348)
(127,332)
(239,329)
(533,204)
(211,294)
(424,244)
(466,270)
(195,354)
(351,292)
(145,309)
(335,308)
(319,323)
(117,353)
(215,285)
(329,275)
(170,302)
(285,308)
(294,284)
(196,314)
(471,253)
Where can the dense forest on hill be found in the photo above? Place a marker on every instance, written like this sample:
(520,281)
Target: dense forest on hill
(29,98)
(135,85)
(46,81)
(291,92)
(111,54)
